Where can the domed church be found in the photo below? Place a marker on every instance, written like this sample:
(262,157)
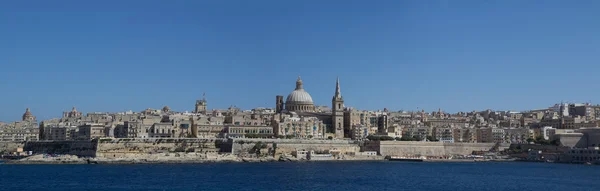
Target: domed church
(299,100)
(299,104)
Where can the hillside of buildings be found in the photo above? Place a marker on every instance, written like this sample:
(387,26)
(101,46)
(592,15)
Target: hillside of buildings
(297,118)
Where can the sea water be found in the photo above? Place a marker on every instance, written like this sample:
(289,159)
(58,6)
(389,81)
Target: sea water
(346,176)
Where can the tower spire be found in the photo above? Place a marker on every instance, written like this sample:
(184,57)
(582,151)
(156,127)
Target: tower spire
(338,94)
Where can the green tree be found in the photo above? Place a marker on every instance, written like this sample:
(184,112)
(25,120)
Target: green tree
(430,138)
(417,138)
(373,138)
(386,138)
(257,147)
(330,138)
(529,140)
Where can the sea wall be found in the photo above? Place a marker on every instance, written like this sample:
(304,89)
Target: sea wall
(10,147)
(416,148)
(287,146)
(545,148)
(79,148)
(139,148)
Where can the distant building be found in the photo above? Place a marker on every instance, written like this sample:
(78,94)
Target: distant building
(91,131)
(242,131)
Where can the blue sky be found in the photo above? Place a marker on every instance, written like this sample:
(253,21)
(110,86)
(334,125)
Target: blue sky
(458,56)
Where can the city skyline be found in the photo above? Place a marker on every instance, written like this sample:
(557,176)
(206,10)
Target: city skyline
(405,55)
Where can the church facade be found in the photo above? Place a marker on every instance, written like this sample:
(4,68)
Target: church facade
(298,117)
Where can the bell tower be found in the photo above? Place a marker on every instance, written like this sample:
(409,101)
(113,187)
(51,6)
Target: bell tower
(337,111)
(201,105)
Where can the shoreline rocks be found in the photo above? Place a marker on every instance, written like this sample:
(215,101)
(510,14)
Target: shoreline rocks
(157,159)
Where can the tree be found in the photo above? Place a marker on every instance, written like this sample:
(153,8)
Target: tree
(310,136)
(417,138)
(373,138)
(398,139)
(430,138)
(330,138)
(529,140)
(386,138)
(257,147)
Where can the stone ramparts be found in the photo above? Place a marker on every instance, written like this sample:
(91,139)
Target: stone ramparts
(414,148)
(287,146)
(79,148)
(10,147)
(139,148)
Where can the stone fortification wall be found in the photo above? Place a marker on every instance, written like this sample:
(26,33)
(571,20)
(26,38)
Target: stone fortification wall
(414,148)
(79,148)
(287,146)
(544,148)
(10,147)
(139,148)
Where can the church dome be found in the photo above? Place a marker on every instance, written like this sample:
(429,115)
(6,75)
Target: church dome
(299,100)
(299,97)
(27,113)
(27,116)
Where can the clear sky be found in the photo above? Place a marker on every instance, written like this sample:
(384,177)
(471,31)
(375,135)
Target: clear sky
(455,55)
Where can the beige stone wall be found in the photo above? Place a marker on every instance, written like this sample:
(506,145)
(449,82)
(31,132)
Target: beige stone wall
(9,147)
(287,146)
(414,148)
(136,148)
(79,148)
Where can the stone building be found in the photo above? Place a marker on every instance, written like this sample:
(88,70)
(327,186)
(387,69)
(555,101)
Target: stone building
(240,131)
(208,131)
(201,105)
(300,127)
(161,130)
(359,132)
(58,134)
(91,131)
(300,110)
(465,135)
(417,131)
(443,133)
(19,131)
(72,114)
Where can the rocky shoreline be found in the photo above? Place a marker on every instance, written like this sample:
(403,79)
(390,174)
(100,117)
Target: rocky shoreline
(69,159)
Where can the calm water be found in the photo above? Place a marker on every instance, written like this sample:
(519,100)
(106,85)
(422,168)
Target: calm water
(348,176)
